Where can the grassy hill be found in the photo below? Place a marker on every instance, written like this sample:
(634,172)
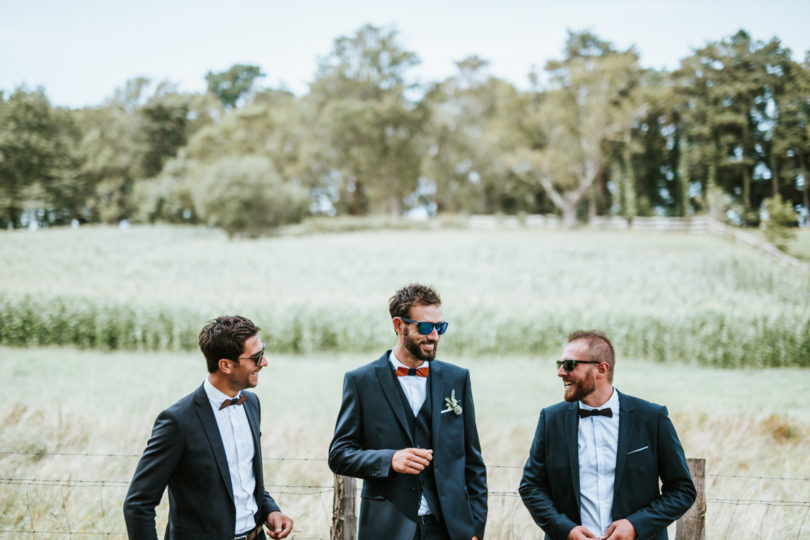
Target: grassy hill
(660,296)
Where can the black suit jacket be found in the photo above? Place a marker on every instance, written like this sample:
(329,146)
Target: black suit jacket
(648,449)
(372,424)
(186,453)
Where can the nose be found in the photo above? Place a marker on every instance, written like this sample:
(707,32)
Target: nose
(263,361)
(561,372)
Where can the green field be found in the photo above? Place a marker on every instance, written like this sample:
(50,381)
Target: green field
(662,297)
(98,329)
(85,416)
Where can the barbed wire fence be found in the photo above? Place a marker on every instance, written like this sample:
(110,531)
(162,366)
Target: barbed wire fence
(26,514)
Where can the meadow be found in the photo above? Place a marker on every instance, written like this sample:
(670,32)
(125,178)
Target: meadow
(98,334)
(662,296)
(73,424)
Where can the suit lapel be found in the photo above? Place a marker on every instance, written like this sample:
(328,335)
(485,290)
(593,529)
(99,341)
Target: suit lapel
(572,443)
(436,387)
(209,425)
(253,421)
(625,430)
(385,376)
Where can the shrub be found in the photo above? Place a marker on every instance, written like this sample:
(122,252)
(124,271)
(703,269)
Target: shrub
(247,195)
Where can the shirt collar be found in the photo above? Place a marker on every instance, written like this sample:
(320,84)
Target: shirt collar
(612,403)
(215,396)
(396,363)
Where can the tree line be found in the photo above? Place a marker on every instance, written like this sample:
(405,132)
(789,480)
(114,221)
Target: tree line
(726,133)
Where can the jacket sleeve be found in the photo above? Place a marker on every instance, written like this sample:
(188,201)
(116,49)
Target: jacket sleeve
(677,489)
(346,453)
(475,470)
(267,505)
(151,477)
(535,489)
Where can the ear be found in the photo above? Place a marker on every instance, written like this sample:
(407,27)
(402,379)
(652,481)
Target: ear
(398,325)
(225,365)
(603,369)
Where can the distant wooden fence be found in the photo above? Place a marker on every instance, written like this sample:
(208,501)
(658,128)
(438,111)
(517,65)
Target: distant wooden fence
(690,527)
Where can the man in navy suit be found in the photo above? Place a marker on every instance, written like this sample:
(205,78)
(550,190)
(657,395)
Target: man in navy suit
(407,428)
(206,449)
(596,459)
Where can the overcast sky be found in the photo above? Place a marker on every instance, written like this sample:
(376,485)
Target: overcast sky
(81,50)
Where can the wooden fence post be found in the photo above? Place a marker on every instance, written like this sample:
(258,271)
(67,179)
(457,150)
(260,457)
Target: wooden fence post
(692,526)
(344,517)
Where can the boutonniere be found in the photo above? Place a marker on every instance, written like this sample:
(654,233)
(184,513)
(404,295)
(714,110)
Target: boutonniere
(452,404)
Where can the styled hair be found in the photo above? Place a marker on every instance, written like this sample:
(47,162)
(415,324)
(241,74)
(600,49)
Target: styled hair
(224,337)
(400,304)
(599,347)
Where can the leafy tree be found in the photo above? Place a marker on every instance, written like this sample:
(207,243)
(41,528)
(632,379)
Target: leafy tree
(469,129)
(38,161)
(233,85)
(731,91)
(369,130)
(589,103)
(247,195)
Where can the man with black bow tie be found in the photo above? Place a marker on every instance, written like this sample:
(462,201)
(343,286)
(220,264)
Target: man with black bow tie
(407,428)
(206,449)
(596,459)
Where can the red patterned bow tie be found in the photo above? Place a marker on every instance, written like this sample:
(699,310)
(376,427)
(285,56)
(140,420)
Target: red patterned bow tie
(419,372)
(234,401)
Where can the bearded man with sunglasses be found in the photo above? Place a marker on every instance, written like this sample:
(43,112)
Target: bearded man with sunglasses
(597,457)
(407,428)
(206,449)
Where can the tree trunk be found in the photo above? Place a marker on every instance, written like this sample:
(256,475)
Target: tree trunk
(683,178)
(805,182)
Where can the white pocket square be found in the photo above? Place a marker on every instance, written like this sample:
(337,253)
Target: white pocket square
(637,450)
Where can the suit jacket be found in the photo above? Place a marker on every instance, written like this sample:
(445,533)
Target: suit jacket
(186,453)
(373,424)
(648,448)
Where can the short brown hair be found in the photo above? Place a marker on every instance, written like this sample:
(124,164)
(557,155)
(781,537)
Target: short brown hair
(400,304)
(224,337)
(599,347)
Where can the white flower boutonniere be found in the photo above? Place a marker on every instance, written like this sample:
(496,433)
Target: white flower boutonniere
(452,404)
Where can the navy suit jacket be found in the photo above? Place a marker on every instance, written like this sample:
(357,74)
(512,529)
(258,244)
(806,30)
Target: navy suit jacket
(186,453)
(648,449)
(373,424)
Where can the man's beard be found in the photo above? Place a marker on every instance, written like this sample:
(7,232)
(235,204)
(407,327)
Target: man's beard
(412,346)
(581,388)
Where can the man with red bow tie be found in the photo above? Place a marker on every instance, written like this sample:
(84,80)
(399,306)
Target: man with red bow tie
(407,428)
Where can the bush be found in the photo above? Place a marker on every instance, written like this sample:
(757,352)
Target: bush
(247,195)
(777,222)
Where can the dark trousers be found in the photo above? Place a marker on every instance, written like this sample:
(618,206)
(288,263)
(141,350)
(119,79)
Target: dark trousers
(431,531)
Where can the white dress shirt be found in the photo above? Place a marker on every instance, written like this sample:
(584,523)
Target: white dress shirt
(237,439)
(598,438)
(415,389)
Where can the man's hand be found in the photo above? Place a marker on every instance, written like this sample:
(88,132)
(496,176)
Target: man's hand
(411,460)
(621,530)
(580,532)
(278,525)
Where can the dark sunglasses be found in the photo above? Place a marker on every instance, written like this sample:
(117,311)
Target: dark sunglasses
(426,328)
(569,364)
(256,357)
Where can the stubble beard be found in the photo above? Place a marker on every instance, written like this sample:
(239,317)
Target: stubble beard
(580,389)
(412,346)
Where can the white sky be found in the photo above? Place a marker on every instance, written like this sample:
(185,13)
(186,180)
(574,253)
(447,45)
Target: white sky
(81,50)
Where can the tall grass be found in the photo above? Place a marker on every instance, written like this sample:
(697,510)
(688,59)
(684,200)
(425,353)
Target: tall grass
(664,297)
(84,418)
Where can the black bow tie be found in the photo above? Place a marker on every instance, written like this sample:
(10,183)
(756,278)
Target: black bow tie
(585,413)
(234,401)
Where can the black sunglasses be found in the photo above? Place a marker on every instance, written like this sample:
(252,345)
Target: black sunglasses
(426,328)
(568,364)
(256,357)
